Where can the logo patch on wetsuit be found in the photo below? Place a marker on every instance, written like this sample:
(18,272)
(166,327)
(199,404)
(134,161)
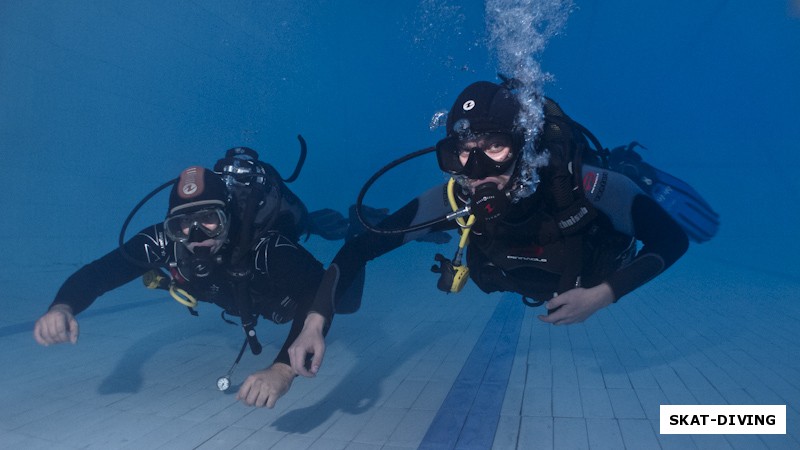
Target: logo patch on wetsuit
(532,254)
(594,184)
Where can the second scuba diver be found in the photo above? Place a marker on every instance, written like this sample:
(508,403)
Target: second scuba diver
(542,225)
(203,245)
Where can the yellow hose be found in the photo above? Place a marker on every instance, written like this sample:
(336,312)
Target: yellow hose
(182,297)
(466,226)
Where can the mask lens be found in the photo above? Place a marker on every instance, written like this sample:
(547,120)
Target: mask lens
(447,154)
(497,146)
(485,155)
(209,222)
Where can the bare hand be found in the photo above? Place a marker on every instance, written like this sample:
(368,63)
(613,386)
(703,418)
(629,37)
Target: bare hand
(576,305)
(309,342)
(265,387)
(56,326)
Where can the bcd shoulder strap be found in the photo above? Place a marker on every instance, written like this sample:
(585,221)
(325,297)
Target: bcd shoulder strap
(573,213)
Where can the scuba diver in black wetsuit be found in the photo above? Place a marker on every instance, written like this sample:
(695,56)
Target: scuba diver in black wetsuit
(204,247)
(542,223)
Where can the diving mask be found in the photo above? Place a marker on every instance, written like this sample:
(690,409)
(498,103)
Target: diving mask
(477,156)
(196,226)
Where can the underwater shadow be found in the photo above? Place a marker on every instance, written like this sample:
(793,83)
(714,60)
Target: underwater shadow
(127,374)
(361,387)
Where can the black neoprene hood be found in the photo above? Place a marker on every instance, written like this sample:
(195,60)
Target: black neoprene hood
(487,106)
(197,188)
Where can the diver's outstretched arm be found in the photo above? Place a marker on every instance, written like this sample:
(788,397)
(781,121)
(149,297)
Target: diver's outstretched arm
(56,326)
(310,342)
(265,387)
(576,305)
(339,291)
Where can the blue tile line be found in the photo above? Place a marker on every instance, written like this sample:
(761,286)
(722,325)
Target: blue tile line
(470,413)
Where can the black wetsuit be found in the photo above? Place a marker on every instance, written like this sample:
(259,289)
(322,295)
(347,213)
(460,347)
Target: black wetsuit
(285,278)
(515,254)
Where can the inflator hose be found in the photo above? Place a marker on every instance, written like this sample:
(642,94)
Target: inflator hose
(127,222)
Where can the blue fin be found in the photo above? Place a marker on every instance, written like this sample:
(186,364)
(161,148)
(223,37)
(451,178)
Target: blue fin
(697,218)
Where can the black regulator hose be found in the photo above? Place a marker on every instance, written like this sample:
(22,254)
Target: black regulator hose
(127,222)
(371,181)
(121,242)
(300,161)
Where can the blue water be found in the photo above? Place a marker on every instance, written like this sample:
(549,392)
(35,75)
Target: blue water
(102,101)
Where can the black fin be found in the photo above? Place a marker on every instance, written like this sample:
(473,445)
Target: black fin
(436,237)
(376,215)
(370,214)
(328,224)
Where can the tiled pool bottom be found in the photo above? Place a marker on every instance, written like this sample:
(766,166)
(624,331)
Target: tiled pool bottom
(415,370)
